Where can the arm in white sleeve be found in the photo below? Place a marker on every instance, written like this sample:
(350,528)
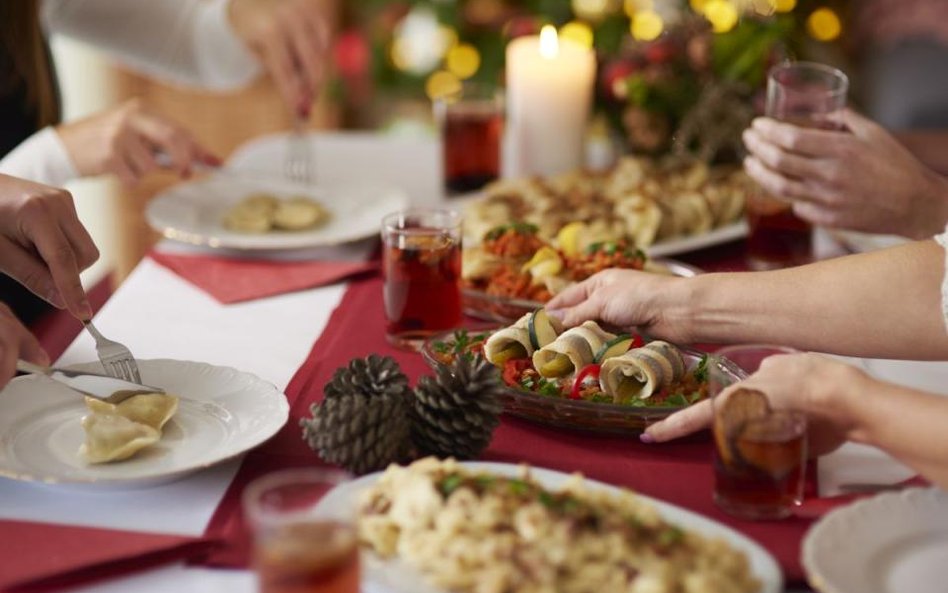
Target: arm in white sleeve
(41,158)
(188,42)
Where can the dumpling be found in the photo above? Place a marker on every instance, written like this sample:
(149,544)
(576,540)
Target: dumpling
(296,214)
(151,409)
(110,437)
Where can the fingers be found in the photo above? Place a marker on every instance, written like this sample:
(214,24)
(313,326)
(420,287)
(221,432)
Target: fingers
(806,141)
(571,296)
(280,63)
(29,271)
(687,421)
(168,138)
(41,226)
(783,187)
(306,45)
(16,342)
(80,239)
(584,311)
(781,160)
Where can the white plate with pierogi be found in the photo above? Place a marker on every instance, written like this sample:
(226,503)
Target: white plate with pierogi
(221,412)
(230,210)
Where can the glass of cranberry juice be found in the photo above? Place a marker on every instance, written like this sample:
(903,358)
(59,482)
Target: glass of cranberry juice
(472,123)
(297,546)
(421,266)
(804,94)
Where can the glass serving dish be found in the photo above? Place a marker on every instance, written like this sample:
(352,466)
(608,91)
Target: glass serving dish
(503,309)
(585,415)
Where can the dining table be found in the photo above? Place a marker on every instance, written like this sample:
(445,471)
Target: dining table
(160,538)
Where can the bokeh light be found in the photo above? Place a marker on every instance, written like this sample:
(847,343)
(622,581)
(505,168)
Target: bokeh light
(591,10)
(463,60)
(647,25)
(698,5)
(419,42)
(577,32)
(441,84)
(630,7)
(721,14)
(785,5)
(824,24)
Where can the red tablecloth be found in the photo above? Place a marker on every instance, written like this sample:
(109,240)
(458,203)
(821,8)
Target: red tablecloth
(677,472)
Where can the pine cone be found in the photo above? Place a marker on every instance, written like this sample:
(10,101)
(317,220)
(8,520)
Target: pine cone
(369,376)
(362,434)
(455,414)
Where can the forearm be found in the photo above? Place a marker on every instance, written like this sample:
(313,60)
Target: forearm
(928,146)
(183,41)
(883,304)
(906,423)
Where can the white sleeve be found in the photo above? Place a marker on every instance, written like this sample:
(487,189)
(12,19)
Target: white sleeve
(943,241)
(41,158)
(182,41)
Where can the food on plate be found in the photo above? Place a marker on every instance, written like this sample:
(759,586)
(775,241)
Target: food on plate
(475,531)
(118,431)
(512,261)
(584,363)
(263,212)
(647,200)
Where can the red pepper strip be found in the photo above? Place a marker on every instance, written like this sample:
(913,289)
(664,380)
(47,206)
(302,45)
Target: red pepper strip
(637,342)
(513,369)
(590,370)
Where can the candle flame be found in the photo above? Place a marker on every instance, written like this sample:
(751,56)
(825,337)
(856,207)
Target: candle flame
(549,44)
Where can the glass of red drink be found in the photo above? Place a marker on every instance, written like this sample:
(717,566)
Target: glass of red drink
(804,94)
(472,125)
(299,547)
(421,265)
(760,453)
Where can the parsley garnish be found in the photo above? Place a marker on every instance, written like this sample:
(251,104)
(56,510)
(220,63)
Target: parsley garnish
(701,371)
(450,484)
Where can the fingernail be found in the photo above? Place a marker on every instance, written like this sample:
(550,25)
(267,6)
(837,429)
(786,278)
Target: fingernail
(646,438)
(43,358)
(85,309)
(558,314)
(56,299)
(213,160)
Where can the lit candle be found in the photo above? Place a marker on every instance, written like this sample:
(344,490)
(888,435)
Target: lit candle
(549,92)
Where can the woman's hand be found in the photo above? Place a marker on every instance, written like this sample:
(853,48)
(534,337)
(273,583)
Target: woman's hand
(128,140)
(862,179)
(291,39)
(43,245)
(16,342)
(627,299)
(815,385)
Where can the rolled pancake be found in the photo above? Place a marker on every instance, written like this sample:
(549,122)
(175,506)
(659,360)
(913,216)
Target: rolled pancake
(578,344)
(639,373)
(504,338)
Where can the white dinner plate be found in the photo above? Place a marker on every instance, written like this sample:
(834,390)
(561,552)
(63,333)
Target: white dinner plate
(392,576)
(222,413)
(193,212)
(894,542)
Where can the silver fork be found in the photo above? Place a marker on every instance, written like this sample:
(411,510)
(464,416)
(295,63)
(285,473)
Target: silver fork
(298,165)
(116,358)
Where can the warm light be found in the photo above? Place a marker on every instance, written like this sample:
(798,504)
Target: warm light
(593,10)
(785,5)
(765,7)
(463,60)
(722,15)
(577,32)
(647,25)
(824,25)
(441,84)
(633,6)
(549,44)
(698,5)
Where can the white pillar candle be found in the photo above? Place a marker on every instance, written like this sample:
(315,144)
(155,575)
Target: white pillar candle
(549,92)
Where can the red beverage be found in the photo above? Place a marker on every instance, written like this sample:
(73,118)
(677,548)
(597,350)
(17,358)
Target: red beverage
(776,238)
(761,474)
(422,269)
(471,134)
(320,557)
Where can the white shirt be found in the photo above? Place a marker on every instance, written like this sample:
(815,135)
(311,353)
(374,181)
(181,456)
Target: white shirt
(187,42)
(943,241)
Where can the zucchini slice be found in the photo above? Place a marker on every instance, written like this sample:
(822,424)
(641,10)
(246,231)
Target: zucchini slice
(617,346)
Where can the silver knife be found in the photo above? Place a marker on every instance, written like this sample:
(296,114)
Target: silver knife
(109,389)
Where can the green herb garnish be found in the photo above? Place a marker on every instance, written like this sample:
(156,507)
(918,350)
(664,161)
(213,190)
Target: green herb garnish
(450,484)
(520,228)
(701,371)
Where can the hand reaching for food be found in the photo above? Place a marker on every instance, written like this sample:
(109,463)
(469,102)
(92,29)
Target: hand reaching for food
(131,141)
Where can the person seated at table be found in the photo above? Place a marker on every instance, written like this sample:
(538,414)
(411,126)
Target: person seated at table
(860,179)
(44,246)
(214,44)
(891,303)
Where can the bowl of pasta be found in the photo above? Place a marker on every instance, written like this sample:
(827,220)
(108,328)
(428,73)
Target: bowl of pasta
(586,377)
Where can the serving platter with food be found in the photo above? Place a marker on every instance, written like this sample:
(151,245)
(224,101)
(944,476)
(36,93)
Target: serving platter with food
(663,206)
(585,377)
(252,213)
(512,271)
(438,526)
